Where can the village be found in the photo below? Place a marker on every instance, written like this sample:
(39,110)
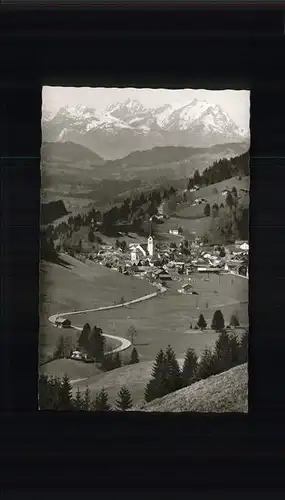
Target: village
(161,263)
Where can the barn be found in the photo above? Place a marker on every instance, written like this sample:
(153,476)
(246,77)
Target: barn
(63,322)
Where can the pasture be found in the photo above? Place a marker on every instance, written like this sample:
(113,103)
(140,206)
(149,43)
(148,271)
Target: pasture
(213,194)
(80,286)
(134,377)
(166,319)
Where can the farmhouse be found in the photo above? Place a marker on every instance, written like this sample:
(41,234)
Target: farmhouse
(244,246)
(162,275)
(174,231)
(208,269)
(185,288)
(63,322)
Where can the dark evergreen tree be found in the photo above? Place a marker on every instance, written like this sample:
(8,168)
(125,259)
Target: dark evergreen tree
(234,322)
(124,401)
(91,236)
(234,350)
(201,322)
(83,340)
(101,401)
(215,210)
(223,352)
(158,386)
(207,210)
(124,246)
(117,360)
(218,322)
(174,376)
(96,344)
(197,178)
(207,365)
(134,357)
(132,334)
(60,348)
(77,401)
(189,367)
(229,200)
(86,403)
(65,395)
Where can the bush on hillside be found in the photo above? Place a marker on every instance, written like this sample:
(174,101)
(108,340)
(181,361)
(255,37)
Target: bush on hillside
(218,322)
(124,401)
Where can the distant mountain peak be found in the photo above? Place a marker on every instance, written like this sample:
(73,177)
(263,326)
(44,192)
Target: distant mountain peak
(128,126)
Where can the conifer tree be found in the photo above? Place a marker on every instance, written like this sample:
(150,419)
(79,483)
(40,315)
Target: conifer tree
(91,236)
(189,367)
(174,376)
(83,340)
(218,322)
(60,348)
(108,362)
(234,350)
(101,401)
(157,386)
(117,360)
(229,200)
(86,403)
(65,395)
(234,320)
(207,210)
(201,322)
(124,401)
(132,334)
(77,401)
(96,344)
(134,357)
(207,365)
(223,352)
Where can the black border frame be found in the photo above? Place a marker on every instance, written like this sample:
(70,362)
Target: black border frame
(52,47)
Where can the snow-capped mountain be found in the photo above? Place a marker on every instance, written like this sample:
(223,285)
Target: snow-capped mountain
(128,126)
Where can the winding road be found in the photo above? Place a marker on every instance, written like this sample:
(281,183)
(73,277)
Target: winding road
(124,343)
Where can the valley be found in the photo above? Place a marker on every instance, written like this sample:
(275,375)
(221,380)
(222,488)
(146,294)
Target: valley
(144,250)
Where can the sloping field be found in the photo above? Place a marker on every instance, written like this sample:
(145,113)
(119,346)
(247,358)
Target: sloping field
(226,392)
(213,194)
(166,319)
(73,369)
(135,377)
(78,287)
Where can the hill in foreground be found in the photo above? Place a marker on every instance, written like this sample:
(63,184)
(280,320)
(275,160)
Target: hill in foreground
(226,392)
(134,377)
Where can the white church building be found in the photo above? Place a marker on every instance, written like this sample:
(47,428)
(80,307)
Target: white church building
(142,250)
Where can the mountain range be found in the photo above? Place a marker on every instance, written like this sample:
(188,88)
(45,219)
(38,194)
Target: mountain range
(129,126)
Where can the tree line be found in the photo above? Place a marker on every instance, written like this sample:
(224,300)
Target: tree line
(221,170)
(56,394)
(166,377)
(131,215)
(91,342)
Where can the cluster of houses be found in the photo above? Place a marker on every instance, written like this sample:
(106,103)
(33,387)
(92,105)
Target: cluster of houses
(165,262)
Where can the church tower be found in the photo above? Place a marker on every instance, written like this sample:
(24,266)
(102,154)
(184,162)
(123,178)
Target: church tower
(150,245)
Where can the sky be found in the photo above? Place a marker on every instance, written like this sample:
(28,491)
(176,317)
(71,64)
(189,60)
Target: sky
(235,102)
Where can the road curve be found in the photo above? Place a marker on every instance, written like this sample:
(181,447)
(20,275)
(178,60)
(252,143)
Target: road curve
(124,343)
